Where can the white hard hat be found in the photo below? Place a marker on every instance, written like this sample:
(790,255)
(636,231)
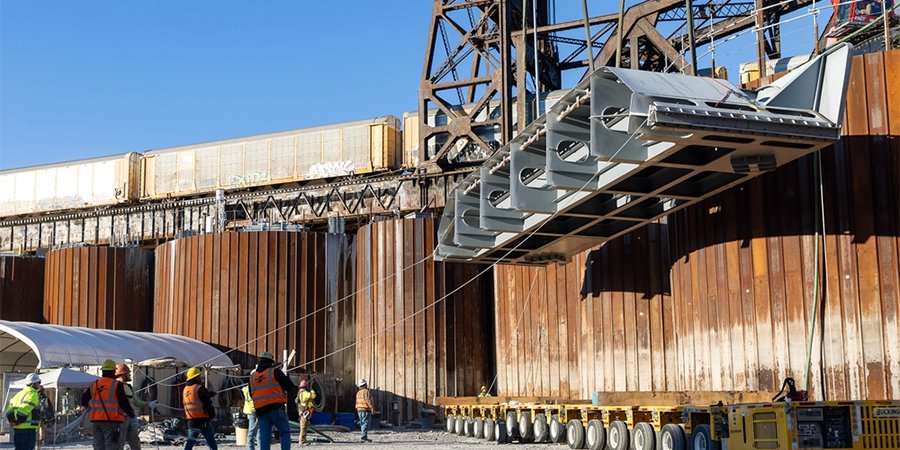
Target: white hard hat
(362,382)
(33,378)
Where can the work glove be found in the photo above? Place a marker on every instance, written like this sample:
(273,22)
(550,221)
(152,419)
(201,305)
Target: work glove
(153,404)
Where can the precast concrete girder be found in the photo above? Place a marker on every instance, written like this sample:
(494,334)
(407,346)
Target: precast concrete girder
(627,147)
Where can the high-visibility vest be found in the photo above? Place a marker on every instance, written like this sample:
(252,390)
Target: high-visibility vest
(193,407)
(306,399)
(363,399)
(248,401)
(26,403)
(104,406)
(265,389)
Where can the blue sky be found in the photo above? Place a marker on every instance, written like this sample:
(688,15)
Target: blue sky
(89,78)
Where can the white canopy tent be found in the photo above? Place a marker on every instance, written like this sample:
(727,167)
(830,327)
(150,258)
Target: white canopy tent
(26,346)
(61,378)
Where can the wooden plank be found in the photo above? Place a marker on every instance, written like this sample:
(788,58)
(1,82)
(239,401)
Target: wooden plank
(876,103)
(892,92)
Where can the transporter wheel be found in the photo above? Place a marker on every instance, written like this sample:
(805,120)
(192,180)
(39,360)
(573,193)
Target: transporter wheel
(617,436)
(525,425)
(512,426)
(500,431)
(469,428)
(489,432)
(451,423)
(701,439)
(478,428)
(643,437)
(575,434)
(672,437)
(557,430)
(460,426)
(541,430)
(595,436)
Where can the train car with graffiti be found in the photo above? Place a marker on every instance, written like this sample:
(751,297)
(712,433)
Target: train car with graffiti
(358,147)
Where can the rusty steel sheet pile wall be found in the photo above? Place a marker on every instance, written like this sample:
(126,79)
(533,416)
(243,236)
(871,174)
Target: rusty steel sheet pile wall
(412,346)
(99,287)
(719,297)
(22,288)
(264,291)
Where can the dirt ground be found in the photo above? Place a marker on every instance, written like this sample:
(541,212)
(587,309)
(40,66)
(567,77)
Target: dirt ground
(386,439)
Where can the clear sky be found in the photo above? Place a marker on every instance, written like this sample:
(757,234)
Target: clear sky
(89,78)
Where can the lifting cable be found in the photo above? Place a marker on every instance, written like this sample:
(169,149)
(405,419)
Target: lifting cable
(816,312)
(425,308)
(489,267)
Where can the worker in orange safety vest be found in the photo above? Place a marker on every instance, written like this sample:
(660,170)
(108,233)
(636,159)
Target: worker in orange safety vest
(108,407)
(198,410)
(270,389)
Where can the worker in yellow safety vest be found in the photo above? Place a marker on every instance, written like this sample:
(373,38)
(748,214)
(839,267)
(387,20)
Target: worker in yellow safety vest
(131,428)
(484,392)
(198,409)
(24,413)
(108,407)
(252,421)
(305,400)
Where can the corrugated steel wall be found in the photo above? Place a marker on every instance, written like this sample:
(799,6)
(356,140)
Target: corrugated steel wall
(721,296)
(99,287)
(413,343)
(22,288)
(263,291)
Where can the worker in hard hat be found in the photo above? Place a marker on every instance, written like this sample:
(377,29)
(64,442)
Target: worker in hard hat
(305,399)
(131,428)
(270,390)
(108,407)
(198,410)
(252,422)
(24,413)
(484,392)
(364,408)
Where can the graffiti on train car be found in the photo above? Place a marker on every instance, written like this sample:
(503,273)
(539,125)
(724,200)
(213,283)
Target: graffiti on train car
(330,169)
(250,178)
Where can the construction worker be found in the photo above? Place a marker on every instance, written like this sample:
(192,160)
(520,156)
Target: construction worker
(364,408)
(198,409)
(131,428)
(107,407)
(24,413)
(270,389)
(484,392)
(305,400)
(252,422)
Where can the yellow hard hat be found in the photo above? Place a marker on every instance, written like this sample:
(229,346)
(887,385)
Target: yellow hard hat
(108,365)
(193,372)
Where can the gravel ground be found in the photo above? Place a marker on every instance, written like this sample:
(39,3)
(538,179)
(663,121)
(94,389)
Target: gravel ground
(401,439)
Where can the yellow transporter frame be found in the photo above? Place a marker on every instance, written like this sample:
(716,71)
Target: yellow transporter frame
(753,426)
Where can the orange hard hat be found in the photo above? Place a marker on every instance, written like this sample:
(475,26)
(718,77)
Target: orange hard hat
(122,369)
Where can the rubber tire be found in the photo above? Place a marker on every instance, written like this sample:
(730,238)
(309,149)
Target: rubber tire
(469,428)
(478,428)
(701,439)
(556,430)
(451,423)
(617,437)
(526,427)
(643,437)
(460,426)
(595,428)
(489,432)
(671,437)
(541,430)
(512,426)
(502,436)
(575,434)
